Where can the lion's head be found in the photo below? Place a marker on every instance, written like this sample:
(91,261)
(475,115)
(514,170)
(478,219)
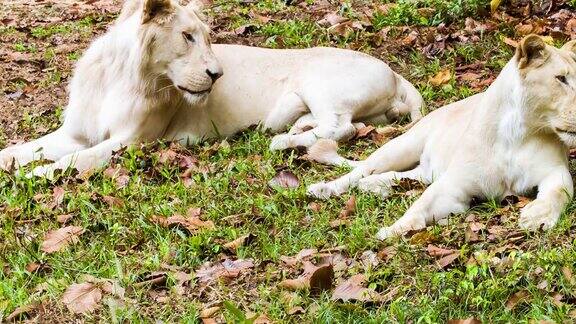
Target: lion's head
(549,78)
(177,46)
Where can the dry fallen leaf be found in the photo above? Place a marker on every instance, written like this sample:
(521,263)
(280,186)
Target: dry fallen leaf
(226,269)
(353,290)
(301,256)
(448,260)
(82,298)
(285,179)
(349,208)
(516,298)
(20,312)
(470,320)
(441,78)
(365,131)
(436,251)
(241,241)
(56,240)
(315,278)
(64,218)
(191,222)
(209,312)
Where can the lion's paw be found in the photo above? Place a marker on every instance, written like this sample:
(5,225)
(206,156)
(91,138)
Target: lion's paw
(7,160)
(384,233)
(280,142)
(43,171)
(374,185)
(321,190)
(538,214)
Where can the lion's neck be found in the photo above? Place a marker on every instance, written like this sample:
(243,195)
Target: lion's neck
(505,111)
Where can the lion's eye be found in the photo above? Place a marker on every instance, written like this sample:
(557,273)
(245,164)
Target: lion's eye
(188,37)
(562,78)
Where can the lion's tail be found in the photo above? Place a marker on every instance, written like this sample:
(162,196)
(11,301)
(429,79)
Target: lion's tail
(412,99)
(325,151)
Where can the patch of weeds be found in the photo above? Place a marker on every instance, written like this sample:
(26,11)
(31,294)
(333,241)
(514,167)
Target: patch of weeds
(293,33)
(427,12)
(73,56)
(84,27)
(25,48)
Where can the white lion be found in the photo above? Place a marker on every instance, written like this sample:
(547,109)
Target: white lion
(153,76)
(508,140)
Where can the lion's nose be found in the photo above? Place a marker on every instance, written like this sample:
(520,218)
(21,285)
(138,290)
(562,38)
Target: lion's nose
(214,75)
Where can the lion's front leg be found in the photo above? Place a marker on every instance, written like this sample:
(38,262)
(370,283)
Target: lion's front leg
(554,193)
(52,147)
(83,160)
(448,195)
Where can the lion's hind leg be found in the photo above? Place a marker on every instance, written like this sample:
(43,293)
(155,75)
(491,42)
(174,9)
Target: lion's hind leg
(287,110)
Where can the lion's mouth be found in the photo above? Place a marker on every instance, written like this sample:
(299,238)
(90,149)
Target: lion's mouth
(195,93)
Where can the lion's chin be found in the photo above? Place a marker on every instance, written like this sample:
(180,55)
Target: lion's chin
(195,99)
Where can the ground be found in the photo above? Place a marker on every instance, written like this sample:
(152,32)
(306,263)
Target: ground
(148,238)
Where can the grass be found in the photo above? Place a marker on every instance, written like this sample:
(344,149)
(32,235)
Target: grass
(122,242)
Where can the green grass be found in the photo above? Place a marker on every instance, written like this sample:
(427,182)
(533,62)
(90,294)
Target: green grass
(124,244)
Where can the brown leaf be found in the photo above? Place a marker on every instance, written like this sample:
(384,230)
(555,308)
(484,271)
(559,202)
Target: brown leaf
(58,239)
(470,320)
(349,208)
(241,241)
(469,76)
(113,201)
(182,280)
(331,19)
(410,39)
(82,298)
(567,272)
(31,267)
(119,175)
(157,278)
(315,278)
(192,223)
(441,78)
(436,251)
(365,131)
(510,42)
(62,219)
(262,319)
(353,290)
(209,312)
(302,255)
(337,223)
(516,298)
(449,259)
(226,269)
(315,207)
(20,312)
(57,196)
(285,179)
(387,253)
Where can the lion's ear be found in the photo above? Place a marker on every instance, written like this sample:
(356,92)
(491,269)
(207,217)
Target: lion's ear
(154,8)
(570,46)
(531,51)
